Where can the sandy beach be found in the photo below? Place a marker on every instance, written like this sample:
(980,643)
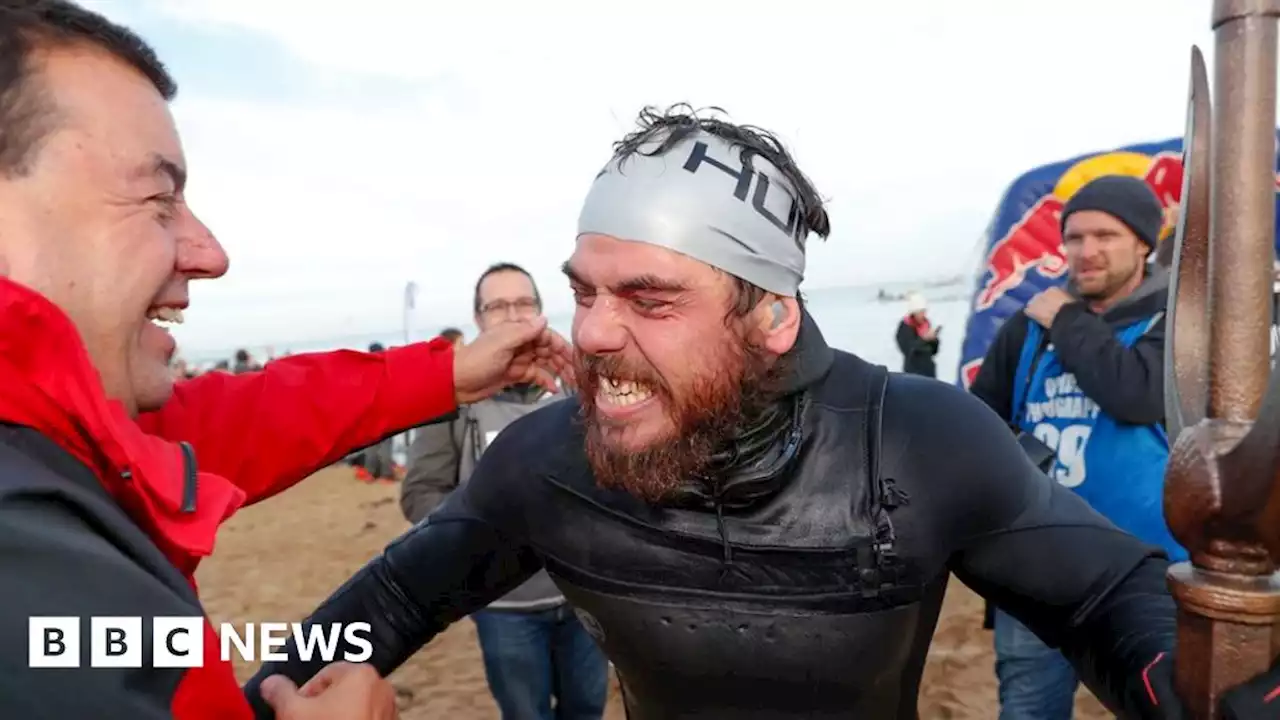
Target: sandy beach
(277,560)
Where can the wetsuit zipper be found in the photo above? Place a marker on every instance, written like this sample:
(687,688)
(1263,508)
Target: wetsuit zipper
(879,559)
(190,478)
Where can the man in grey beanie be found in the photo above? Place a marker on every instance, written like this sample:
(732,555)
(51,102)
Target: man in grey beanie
(1079,373)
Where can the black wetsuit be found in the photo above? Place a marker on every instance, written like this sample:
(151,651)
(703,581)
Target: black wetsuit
(806,581)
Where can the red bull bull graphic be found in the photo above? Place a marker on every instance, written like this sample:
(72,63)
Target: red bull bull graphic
(1023,243)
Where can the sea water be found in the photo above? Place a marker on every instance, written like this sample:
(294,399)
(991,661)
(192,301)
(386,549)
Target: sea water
(854,319)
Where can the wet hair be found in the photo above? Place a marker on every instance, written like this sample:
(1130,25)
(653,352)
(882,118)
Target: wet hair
(376,347)
(27,112)
(242,356)
(452,334)
(503,267)
(679,121)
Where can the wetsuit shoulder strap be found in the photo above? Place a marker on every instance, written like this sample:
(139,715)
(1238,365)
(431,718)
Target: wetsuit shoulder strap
(854,384)
(877,559)
(877,386)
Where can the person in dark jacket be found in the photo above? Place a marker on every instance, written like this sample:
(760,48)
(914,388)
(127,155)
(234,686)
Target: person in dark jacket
(244,362)
(754,525)
(114,478)
(918,338)
(541,664)
(1080,373)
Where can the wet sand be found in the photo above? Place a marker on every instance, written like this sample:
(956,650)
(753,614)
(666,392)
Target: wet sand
(277,560)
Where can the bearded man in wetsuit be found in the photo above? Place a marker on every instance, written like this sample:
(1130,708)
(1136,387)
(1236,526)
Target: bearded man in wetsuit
(752,524)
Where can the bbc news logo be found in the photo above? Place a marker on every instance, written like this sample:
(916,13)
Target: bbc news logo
(178,642)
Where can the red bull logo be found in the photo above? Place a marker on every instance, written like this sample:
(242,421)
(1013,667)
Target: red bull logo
(1021,250)
(1024,247)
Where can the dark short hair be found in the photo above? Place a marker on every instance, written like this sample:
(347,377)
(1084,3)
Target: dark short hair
(504,267)
(451,334)
(27,113)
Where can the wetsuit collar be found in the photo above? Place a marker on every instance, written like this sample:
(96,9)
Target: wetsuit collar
(755,464)
(810,358)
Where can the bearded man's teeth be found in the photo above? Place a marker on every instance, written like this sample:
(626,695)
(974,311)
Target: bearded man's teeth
(624,392)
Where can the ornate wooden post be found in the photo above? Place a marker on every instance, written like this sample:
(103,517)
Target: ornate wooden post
(1222,499)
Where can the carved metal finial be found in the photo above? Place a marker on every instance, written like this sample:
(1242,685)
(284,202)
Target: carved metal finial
(1222,400)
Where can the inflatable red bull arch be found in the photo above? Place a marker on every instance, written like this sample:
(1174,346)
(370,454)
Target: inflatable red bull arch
(1023,252)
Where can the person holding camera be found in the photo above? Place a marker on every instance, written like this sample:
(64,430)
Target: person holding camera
(1079,376)
(918,338)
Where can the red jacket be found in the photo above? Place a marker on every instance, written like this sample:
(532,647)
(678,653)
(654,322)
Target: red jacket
(253,435)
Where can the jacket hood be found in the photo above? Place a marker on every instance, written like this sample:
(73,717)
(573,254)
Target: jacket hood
(51,386)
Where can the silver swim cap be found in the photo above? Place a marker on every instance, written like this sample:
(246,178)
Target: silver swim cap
(698,200)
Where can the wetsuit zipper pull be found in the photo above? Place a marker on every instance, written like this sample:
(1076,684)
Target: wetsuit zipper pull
(894,497)
(190,478)
(726,564)
(724,535)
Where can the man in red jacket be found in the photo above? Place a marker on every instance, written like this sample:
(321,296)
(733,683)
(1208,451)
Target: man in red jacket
(113,481)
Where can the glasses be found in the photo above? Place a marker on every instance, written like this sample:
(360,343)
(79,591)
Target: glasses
(523,307)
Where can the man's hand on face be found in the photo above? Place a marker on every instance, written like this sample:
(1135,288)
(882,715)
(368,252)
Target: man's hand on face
(1043,308)
(341,691)
(510,354)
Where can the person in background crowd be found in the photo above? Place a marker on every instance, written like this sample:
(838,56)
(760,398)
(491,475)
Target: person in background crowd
(535,650)
(1080,375)
(453,335)
(114,479)
(918,338)
(244,363)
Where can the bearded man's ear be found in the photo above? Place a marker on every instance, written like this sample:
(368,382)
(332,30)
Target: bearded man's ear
(778,324)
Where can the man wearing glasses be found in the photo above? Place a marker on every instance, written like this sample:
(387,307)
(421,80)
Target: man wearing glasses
(534,647)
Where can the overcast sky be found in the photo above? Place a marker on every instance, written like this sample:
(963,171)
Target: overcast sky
(341,149)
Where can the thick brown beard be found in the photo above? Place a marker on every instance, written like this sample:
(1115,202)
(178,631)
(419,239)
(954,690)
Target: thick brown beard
(705,416)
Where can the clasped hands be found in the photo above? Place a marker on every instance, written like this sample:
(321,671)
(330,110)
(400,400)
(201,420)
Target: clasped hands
(341,691)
